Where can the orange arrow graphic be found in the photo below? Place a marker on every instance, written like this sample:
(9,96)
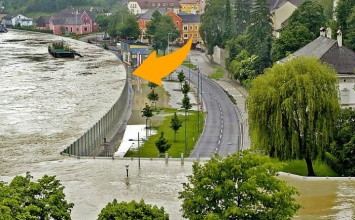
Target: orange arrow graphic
(154,69)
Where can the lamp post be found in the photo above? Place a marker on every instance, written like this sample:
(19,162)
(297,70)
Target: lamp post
(185,133)
(139,151)
(127,169)
(168,41)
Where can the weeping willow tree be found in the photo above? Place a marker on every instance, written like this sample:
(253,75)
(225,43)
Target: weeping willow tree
(292,109)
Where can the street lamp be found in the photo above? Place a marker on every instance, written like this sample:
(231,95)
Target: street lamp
(127,169)
(168,41)
(139,151)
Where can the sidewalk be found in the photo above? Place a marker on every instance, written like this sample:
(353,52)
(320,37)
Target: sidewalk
(231,86)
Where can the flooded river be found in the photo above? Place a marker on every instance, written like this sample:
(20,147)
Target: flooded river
(46,103)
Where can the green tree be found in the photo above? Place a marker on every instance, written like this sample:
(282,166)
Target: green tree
(153,97)
(260,35)
(175,124)
(181,77)
(185,88)
(132,210)
(116,20)
(164,27)
(147,113)
(153,24)
(292,109)
(342,157)
(186,103)
(343,14)
(350,41)
(309,14)
(129,28)
(44,199)
(292,38)
(162,144)
(212,22)
(102,20)
(152,85)
(228,23)
(240,186)
(242,15)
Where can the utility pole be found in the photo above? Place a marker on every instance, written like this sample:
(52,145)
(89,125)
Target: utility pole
(198,96)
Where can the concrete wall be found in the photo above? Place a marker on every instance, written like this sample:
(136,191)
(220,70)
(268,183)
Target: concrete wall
(102,129)
(219,56)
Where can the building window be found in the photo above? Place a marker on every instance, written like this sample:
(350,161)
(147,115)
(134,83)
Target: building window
(190,35)
(196,27)
(171,4)
(158,4)
(185,27)
(196,35)
(85,29)
(177,23)
(153,4)
(190,27)
(164,4)
(185,35)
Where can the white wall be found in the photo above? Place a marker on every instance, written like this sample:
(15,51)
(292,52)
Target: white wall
(346,90)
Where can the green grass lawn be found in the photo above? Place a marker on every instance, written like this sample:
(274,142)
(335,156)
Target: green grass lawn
(217,74)
(299,167)
(189,65)
(148,149)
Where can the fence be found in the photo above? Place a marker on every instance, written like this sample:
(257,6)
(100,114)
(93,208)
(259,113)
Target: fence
(98,133)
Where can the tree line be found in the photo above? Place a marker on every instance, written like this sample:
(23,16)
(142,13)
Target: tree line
(240,186)
(245,28)
(29,6)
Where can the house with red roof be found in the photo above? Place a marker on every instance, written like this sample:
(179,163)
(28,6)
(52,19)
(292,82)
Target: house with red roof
(73,21)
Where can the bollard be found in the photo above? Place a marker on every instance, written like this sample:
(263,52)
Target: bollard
(182,158)
(166,158)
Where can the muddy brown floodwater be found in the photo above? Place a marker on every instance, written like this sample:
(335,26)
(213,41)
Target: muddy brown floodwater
(46,103)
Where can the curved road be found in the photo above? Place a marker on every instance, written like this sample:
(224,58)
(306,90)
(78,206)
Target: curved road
(221,133)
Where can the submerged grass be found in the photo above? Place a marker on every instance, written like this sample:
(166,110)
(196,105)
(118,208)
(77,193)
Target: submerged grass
(148,148)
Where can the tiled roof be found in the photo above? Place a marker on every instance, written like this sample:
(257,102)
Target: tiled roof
(149,13)
(144,4)
(190,18)
(92,14)
(328,51)
(275,4)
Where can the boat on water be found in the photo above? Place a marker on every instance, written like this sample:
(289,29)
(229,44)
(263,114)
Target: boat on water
(3,28)
(59,49)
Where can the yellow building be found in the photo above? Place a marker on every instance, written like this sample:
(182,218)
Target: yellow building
(190,6)
(191,27)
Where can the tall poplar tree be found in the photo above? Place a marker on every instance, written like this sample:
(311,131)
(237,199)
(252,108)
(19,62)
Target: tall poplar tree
(292,109)
(211,29)
(229,27)
(242,10)
(260,35)
(343,12)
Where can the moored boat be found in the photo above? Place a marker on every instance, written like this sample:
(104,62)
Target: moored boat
(60,50)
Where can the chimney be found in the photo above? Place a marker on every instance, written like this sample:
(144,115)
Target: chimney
(339,38)
(322,31)
(329,33)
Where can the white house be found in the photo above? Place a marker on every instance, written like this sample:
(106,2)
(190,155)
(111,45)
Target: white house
(142,6)
(340,57)
(22,20)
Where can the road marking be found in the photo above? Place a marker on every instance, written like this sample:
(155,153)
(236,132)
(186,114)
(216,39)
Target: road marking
(221,131)
(222,126)
(220,108)
(220,136)
(219,142)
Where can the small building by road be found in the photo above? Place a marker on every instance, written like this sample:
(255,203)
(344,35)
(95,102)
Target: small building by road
(134,52)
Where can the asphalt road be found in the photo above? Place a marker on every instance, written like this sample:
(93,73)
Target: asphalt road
(221,131)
